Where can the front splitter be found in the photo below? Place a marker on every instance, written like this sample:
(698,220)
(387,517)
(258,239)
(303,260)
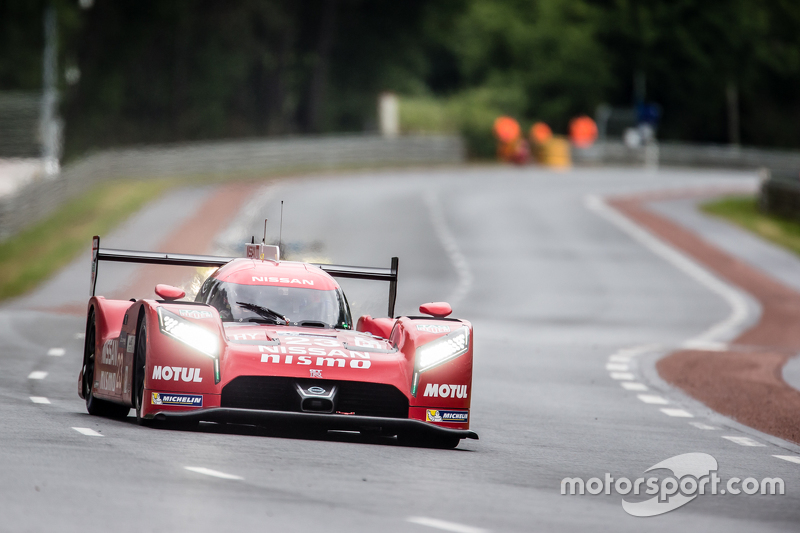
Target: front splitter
(405,426)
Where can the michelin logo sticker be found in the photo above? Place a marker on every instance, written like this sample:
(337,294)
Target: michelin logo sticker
(191,400)
(439,415)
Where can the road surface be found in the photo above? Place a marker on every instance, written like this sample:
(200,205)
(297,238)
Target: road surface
(563,301)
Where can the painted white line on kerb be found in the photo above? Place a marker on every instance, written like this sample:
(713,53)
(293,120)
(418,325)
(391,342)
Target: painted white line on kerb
(39,399)
(442,524)
(626,376)
(650,398)
(744,441)
(56,352)
(679,413)
(738,304)
(212,473)
(704,346)
(630,385)
(635,350)
(88,432)
(790,458)
(706,427)
(617,367)
(37,374)
(435,211)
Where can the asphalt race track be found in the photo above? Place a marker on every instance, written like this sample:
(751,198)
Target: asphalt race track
(563,301)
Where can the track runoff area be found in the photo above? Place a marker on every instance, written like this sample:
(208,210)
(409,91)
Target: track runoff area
(574,299)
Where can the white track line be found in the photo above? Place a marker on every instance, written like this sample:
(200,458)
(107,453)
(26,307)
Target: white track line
(436,213)
(212,473)
(636,350)
(88,432)
(630,385)
(625,376)
(710,338)
(650,398)
(620,358)
(706,427)
(790,458)
(80,336)
(617,367)
(744,441)
(680,413)
(446,526)
(37,374)
(56,352)
(39,399)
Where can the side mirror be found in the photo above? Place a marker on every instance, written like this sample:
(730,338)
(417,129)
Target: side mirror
(168,292)
(436,309)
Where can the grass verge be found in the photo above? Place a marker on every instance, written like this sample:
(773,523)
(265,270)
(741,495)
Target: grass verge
(34,254)
(744,212)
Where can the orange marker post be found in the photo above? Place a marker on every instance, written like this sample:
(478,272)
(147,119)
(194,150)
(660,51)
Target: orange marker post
(506,129)
(582,131)
(507,132)
(540,133)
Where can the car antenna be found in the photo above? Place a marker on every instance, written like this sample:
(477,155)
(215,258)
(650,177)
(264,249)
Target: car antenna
(264,240)
(280,233)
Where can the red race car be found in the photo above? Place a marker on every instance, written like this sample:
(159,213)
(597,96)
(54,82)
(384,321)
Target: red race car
(271,342)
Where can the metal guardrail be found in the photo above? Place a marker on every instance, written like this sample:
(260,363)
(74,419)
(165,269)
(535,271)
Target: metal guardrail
(691,155)
(269,156)
(780,169)
(40,197)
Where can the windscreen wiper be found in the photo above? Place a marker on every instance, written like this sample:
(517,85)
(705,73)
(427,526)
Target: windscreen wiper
(266,312)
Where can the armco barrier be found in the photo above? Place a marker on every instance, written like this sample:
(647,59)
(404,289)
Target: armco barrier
(41,197)
(690,155)
(780,170)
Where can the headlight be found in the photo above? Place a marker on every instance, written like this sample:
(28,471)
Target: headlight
(190,334)
(439,351)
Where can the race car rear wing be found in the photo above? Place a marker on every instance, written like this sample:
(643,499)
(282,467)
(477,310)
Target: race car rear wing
(157,258)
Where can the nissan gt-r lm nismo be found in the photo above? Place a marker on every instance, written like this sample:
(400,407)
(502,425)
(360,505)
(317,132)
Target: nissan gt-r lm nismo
(271,342)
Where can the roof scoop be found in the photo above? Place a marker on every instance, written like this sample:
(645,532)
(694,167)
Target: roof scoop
(169,293)
(436,309)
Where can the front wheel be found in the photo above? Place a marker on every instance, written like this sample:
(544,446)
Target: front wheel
(96,406)
(139,369)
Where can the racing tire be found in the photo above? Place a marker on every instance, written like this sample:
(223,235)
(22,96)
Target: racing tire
(139,368)
(96,406)
(438,442)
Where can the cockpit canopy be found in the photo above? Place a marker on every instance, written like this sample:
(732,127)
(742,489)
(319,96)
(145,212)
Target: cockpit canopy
(276,304)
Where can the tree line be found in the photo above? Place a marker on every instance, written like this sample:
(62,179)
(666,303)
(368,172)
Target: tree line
(149,71)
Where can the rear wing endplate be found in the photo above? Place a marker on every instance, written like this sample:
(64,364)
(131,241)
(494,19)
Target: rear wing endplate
(337,271)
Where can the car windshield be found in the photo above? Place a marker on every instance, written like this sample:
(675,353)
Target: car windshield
(278,305)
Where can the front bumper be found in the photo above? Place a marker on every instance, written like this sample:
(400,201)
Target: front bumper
(405,426)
